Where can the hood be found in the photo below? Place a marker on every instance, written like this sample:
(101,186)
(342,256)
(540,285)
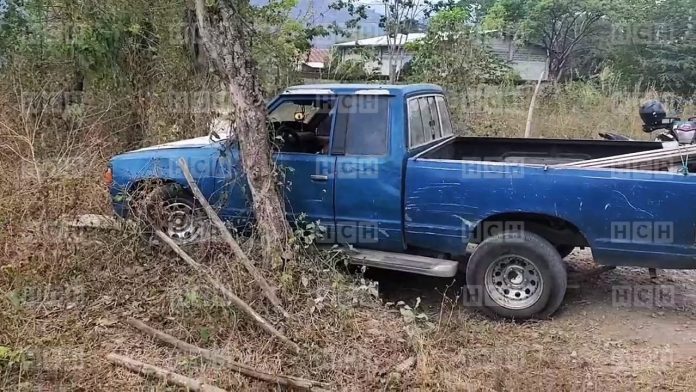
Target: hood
(204,157)
(196,142)
(202,141)
(220,126)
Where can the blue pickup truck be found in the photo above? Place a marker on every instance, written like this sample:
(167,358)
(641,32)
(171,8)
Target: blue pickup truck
(381,169)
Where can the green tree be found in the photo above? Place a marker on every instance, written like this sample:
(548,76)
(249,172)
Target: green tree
(653,46)
(280,43)
(399,19)
(506,17)
(454,55)
(560,26)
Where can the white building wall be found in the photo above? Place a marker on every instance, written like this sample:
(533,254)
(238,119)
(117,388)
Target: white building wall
(531,70)
(528,61)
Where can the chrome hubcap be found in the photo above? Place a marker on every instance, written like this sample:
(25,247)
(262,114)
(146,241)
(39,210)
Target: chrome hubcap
(180,222)
(514,282)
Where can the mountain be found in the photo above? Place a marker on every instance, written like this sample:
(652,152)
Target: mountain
(318,12)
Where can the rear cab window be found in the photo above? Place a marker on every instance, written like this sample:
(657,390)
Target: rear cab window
(416,131)
(445,120)
(428,119)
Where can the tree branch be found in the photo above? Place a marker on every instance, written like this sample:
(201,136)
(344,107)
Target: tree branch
(289,381)
(163,374)
(238,302)
(268,291)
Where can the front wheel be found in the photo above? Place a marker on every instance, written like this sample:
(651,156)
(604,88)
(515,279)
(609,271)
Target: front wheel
(169,208)
(516,275)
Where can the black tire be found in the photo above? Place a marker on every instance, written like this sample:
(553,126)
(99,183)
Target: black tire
(524,249)
(152,209)
(565,250)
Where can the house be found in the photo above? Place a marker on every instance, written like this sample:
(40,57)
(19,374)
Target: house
(379,53)
(315,63)
(528,60)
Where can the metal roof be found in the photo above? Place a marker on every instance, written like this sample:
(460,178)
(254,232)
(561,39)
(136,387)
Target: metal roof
(383,40)
(338,88)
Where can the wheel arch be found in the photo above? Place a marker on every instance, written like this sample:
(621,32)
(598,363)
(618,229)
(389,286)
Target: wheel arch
(138,189)
(554,229)
(141,183)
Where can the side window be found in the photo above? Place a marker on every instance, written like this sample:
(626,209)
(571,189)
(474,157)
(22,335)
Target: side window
(444,117)
(362,125)
(416,131)
(435,129)
(302,125)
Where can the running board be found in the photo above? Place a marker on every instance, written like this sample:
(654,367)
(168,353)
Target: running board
(403,262)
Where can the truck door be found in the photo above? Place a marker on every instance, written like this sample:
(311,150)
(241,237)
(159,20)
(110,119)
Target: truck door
(368,177)
(302,133)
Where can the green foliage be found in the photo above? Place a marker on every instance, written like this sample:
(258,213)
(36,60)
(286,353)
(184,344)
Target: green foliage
(92,35)
(280,43)
(654,47)
(354,68)
(307,233)
(506,16)
(453,55)
(663,67)
(139,60)
(560,26)
(13,24)
(10,357)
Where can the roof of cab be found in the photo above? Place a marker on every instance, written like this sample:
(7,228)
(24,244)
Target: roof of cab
(371,89)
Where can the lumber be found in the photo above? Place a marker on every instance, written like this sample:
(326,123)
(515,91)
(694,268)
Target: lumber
(647,159)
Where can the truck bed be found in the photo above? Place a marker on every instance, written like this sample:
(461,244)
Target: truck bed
(636,218)
(532,151)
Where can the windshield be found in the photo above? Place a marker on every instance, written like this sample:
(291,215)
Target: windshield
(296,110)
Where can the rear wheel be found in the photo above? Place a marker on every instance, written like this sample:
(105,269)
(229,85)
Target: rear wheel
(516,275)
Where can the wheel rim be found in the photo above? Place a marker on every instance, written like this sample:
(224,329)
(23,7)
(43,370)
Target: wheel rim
(514,282)
(181,223)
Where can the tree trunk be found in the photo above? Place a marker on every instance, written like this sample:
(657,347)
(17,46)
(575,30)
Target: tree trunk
(226,35)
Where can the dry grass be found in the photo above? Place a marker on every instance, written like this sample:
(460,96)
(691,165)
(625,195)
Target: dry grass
(66,293)
(570,111)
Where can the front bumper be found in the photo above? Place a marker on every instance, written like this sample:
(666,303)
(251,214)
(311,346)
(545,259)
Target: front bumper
(119,202)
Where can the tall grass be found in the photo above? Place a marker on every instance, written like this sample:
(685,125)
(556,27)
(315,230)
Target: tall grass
(576,110)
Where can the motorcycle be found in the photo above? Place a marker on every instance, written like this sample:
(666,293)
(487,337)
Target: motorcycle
(654,116)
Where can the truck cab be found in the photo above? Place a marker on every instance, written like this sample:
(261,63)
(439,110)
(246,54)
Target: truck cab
(346,170)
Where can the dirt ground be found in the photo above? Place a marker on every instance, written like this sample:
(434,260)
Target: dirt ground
(621,323)
(620,330)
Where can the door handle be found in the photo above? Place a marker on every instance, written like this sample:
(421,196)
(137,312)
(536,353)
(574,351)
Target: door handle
(319,178)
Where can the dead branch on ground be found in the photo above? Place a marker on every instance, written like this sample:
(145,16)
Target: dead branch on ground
(165,375)
(238,302)
(288,381)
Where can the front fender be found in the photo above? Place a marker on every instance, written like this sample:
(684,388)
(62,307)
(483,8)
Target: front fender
(211,169)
